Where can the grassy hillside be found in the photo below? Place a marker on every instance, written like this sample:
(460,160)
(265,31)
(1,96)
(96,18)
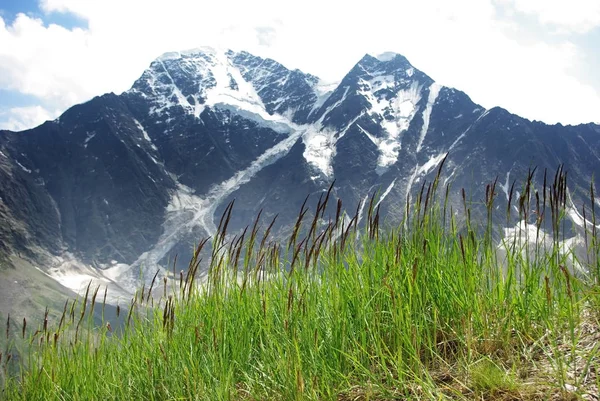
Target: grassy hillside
(339,312)
(26,291)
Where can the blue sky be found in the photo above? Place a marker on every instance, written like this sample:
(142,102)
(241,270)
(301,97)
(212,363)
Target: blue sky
(33,109)
(536,58)
(10,8)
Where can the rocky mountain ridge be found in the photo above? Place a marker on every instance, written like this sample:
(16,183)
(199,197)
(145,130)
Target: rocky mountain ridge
(128,181)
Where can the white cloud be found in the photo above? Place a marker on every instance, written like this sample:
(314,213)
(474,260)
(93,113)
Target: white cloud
(459,43)
(573,15)
(21,118)
(38,60)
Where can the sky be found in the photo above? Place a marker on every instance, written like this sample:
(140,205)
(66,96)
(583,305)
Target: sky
(536,58)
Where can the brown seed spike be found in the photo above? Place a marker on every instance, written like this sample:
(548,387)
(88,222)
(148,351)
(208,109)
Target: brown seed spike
(568,280)
(414,270)
(131,308)
(85,299)
(420,199)
(324,205)
(151,286)
(94,299)
(462,248)
(72,311)
(299,382)
(439,172)
(162,351)
(24,327)
(267,232)
(338,212)
(407,207)
(548,291)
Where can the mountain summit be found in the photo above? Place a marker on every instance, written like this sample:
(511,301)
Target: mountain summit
(129,181)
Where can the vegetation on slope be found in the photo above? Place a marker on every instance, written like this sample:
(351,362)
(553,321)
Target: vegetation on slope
(338,312)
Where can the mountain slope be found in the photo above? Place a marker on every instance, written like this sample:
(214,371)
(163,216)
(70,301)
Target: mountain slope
(123,183)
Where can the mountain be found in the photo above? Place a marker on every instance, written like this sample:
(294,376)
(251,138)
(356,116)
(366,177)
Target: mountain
(126,182)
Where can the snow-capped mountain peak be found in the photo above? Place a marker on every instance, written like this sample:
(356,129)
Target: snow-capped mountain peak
(387,90)
(194,80)
(386,56)
(190,52)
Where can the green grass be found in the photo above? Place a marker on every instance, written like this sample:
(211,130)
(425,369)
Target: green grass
(339,312)
(489,378)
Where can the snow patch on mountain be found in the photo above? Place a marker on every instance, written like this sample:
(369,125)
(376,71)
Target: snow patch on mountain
(175,91)
(162,95)
(332,107)
(275,122)
(320,145)
(372,138)
(323,90)
(505,187)
(319,149)
(574,247)
(25,169)
(145,134)
(242,95)
(385,193)
(429,165)
(461,136)
(524,233)
(434,91)
(388,151)
(424,169)
(395,113)
(386,56)
(319,140)
(401,109)
(182,199)
(218,81)
(76,276)
(188,211)
(576,217)
(88,138)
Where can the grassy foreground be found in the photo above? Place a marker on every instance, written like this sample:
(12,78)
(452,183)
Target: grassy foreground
(425,311)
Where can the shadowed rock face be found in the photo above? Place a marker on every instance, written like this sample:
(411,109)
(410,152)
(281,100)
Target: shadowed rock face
(142,176)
